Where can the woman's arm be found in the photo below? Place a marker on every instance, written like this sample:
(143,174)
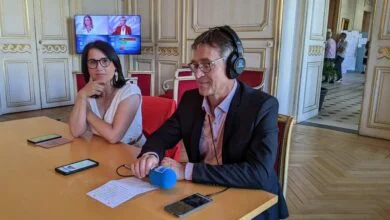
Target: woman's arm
(78,116)
(123,118)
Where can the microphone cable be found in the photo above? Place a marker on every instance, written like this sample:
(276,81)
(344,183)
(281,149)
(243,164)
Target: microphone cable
(216,157)
(123,175)
(212,137)
(217,192)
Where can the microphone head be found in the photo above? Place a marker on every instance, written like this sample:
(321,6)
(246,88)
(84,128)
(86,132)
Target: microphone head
(162,177)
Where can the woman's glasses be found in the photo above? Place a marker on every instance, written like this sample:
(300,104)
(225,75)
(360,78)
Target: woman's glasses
(92,63)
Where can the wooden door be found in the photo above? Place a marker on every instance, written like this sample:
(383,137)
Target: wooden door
(19,78)
(161,38)
(375,117)
(54,59)
(313,58)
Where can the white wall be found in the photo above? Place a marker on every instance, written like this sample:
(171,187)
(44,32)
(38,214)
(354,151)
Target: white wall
(290,56)
(347,10)
(360,8)
(352,10)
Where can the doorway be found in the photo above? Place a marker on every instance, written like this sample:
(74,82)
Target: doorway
(341,107)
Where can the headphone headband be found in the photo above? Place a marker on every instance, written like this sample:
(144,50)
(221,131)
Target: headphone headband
(237,44)
(235,62)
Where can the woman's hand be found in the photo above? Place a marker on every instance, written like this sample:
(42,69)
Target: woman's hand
(92,88)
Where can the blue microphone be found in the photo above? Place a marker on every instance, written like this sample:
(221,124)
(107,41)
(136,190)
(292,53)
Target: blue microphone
(162,177)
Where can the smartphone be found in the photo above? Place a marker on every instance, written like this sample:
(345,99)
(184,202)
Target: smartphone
(42,138)
(76,166)
(188,205)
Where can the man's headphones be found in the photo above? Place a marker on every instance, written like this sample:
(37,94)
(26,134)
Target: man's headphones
(235,63)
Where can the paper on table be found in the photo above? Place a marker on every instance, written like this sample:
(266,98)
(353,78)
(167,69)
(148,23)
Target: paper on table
(116,192)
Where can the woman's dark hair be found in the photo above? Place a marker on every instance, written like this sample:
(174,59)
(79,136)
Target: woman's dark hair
(107,49)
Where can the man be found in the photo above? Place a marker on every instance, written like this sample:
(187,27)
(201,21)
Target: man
(229,129)
(122,29)
(342,45)
(330,54)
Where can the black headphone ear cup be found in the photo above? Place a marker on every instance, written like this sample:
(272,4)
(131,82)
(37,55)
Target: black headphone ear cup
(239,65)
(229,66)
(231,71)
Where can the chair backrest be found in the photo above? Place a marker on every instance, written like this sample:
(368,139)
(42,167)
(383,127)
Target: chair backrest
(252,78)
(80,81)
(182,84)
(145,81)
(285,124)
(155,111)
(183,72)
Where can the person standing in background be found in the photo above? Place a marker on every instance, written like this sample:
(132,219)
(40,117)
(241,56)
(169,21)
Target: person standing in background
(365,58)
(330,54)
(342,45)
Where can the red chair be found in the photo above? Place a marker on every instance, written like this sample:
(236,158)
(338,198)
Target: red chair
(80,81)
(252,78)
(285,124)
(181,85)
(155,111)
(145,81)
(182,72)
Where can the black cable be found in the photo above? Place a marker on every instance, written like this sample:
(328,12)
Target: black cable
(125,166)
(218,192)
(212,137)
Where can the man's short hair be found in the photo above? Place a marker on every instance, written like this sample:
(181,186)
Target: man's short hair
(343,34)
(215,38)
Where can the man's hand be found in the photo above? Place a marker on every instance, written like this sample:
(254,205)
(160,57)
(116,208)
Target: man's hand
(176,166)
(143,165)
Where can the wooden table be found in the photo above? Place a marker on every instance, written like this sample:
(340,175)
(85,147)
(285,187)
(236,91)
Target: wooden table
(31,189)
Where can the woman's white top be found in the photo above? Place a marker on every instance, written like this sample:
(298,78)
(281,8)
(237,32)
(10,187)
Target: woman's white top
(86,32)
(134,131)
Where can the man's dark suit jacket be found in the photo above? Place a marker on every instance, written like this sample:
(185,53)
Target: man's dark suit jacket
(249,143)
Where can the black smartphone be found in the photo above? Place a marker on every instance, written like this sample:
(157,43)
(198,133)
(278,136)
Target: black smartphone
(42,138)
(188,205)
(76,166)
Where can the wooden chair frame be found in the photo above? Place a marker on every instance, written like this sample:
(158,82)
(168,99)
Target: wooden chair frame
(285,150)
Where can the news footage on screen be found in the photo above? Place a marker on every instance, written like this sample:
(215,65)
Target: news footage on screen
(123,32)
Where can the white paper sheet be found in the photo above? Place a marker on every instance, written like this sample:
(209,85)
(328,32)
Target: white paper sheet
(116,192)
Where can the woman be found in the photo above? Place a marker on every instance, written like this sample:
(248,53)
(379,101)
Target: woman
(87,25)
(108,104)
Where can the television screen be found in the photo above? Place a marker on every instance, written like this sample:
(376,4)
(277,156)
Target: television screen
(123,32)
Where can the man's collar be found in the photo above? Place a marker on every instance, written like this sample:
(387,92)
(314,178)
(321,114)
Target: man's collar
(225,104)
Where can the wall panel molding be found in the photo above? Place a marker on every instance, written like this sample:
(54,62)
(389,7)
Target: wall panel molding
(384,31)
(168,51)
(316,50)
(15,48)
(229,6)
(168,17)
(54,48)
(15,97)
(56,76)
(255,58)
(313,68)
(379,100)
(15,26)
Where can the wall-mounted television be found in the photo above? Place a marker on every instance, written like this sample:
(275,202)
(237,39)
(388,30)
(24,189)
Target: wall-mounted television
(123,32)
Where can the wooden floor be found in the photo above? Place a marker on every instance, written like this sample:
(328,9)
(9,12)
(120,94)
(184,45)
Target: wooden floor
(332,175)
